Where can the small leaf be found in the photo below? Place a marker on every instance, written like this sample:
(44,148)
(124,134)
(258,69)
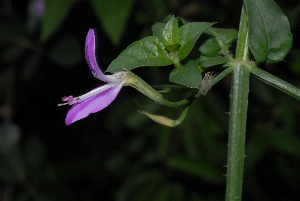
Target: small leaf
(113,15)
(226,36)
(170,35)
(149,51)
(206,62)
(188,35)
(55,13)
(270,37)
(222,39)
(189,76)
(157,29)
(210,47)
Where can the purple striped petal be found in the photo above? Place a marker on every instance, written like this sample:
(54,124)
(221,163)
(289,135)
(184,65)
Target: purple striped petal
(90,56)
(94,104)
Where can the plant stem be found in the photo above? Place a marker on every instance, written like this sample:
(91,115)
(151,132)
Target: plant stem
(276,82)
(238,115)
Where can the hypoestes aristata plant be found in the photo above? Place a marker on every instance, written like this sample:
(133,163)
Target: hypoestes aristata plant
(263,36)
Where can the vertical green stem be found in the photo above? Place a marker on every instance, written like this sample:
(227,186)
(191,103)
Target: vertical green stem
(238,115)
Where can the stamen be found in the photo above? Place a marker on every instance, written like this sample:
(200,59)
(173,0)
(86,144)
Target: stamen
(63,104)
(70,100)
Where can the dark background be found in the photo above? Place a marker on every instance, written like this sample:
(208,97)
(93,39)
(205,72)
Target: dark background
(119,154)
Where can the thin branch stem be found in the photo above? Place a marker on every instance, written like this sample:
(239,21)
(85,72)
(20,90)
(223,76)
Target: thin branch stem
(276,82)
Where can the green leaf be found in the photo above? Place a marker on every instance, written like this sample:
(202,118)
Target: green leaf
(114,16)
(157,29)
(210,47)
(206,62)
(149,51)
(188,35)
(270,37)
(220,42)
(189,76)
(224,36)
(170,35)
(55,13)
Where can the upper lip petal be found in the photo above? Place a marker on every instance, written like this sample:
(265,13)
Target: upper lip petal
(90,56)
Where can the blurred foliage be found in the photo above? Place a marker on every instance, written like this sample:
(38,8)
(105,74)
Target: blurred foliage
(119,154)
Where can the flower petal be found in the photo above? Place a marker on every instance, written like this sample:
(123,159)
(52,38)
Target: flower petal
(90,56)
(92,105)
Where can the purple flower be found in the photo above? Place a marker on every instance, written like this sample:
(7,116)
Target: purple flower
(100,97)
